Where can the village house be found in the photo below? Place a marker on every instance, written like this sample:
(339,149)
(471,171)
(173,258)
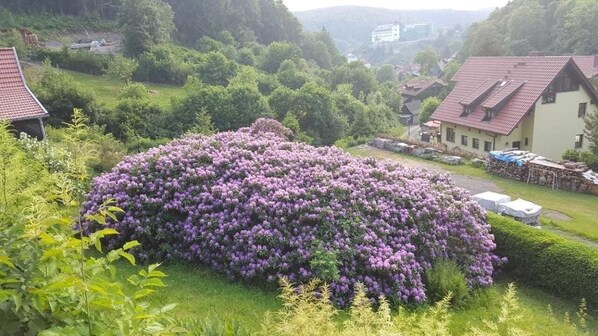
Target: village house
(537,104)
(420,89)
(17,104)
(410,113)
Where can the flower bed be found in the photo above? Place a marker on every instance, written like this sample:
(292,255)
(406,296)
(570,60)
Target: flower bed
(257,207)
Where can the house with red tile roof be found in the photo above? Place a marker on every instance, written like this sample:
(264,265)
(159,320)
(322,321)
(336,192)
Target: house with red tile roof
(533,103)
(420,89)
(17,104)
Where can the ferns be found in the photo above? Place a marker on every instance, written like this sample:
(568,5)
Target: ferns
(307,311)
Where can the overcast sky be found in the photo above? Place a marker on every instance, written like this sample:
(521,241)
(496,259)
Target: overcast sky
(299,5)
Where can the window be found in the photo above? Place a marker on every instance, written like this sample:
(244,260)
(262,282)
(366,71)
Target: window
(487,115)
(466,111)
(475,143)
(450,134)
(526,142)
(565,84)
(549,96)
(579,141)
(487,146)
(464,140)
(517,144)
(581,112)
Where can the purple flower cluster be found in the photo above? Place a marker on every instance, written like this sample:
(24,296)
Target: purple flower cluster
(257,207)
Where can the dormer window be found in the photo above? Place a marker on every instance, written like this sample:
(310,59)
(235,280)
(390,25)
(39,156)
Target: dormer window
(488,114)
(466,111)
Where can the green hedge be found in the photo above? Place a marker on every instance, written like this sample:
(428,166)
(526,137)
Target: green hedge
(77,60)
(562,266)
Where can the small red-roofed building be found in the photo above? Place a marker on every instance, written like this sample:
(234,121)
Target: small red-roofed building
(533,103)
(17,104)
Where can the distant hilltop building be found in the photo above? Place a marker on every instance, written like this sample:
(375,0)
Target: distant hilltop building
(418,31)
(386,33)
(397,31)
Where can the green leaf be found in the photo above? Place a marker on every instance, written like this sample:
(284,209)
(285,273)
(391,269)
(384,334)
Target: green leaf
(130,245)
(156,274)
(168,307)
(134,279)
(5,260)
(105,232)
(143,293)
(127,256)
(153,282)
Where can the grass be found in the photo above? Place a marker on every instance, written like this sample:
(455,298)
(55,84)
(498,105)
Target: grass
(107,90)
(581,208)
(204,294)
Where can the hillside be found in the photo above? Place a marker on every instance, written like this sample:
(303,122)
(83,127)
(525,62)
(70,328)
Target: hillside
(351,26)
(552,27)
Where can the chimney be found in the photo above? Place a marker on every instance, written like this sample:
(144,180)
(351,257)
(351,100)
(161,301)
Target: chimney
(595,61)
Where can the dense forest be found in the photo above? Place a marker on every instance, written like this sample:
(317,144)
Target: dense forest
(552,27)
(238,61)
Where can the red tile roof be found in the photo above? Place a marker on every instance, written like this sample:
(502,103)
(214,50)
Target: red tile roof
(536,71)
(16,100)
(504,91)
(416,86)
(587,64)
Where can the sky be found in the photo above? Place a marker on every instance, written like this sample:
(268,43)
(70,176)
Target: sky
(300,5)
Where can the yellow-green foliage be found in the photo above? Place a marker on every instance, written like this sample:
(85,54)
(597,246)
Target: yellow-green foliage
(307,311)
(49,285)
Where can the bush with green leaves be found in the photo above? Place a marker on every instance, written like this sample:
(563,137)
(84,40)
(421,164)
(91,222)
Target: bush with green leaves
(59,93)
(79,60)
(564,267)
(446,278)
(50,282)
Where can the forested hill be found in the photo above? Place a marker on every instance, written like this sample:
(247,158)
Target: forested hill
(262,20)
(554,27)
(351,26)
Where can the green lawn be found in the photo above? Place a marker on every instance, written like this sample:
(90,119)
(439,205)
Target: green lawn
(107,90)
(581,208)
(203,294)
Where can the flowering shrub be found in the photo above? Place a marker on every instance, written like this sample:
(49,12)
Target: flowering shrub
(257,207)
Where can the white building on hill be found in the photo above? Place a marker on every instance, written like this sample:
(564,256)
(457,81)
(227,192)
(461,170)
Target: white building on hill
(386,33)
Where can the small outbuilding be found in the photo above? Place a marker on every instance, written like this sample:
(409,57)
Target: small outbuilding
(18,105)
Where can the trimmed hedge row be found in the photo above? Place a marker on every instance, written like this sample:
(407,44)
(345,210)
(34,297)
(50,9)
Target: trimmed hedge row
(562,266)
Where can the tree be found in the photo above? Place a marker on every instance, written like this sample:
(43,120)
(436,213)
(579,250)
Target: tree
(386,73)
(427,58)
(318,117)
(362,80)
(122,69)
(450,70)
(289,76)
(246,106)
(217,69)
(591,131)
(146,23)
(527,29)
(282,100)
(291,122)
(428,107)
(275,54)
(59,93)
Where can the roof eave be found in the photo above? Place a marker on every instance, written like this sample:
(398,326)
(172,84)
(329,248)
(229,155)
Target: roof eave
(27,87)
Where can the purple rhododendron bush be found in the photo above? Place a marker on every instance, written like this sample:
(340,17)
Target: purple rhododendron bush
(255,206)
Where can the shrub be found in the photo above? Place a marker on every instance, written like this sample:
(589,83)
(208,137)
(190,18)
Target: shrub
(445,278)
(49,285)
(256,207)
(562,266)
(571,155)
(80,60)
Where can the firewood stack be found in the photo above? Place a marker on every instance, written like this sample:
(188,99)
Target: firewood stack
(507,169)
